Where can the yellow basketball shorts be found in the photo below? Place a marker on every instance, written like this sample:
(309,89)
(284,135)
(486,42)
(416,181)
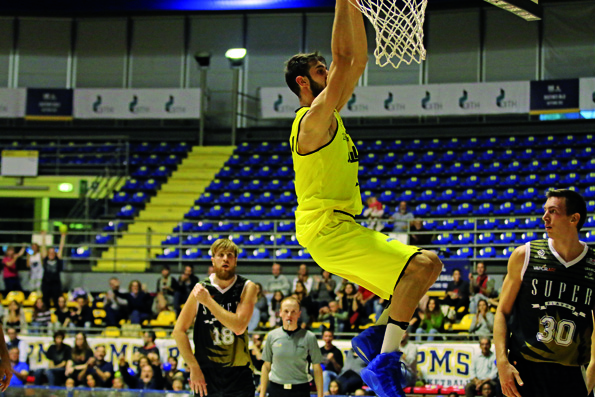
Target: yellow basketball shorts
(363,256)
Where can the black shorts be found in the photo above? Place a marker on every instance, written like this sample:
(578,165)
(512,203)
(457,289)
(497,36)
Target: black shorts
(278,390)
(229,381)
(548,379)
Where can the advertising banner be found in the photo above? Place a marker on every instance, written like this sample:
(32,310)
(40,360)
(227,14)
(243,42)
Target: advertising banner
(20,162)
(49,104)
(555,96)
(149,103)
(12,102)
(278,103)
(587,93)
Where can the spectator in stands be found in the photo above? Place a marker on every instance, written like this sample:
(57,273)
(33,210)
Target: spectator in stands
(432,320)
(349,379)
(160,305)
(81,353)
(374,213)
(483,369)
(337,317)
(401,218)
(62,313)
(487,390)
(51,283)
(96,366)
(15,317)
(256,356)
(114,306)
(14,341)
(149,345)
(278,296)
(457,294)
(483,321)
(350,301)
(170,369)
(480,287)
(42,316)
(118,383)
(10,272)
(144,380)
(308,307)
(186,282)
(417,234)
(324,289)
(277,282)
(332,359)
(366,298)
(20,369)
(178,383)
(304,277)
(139,302)
(58,354)
(35,266)
(261,309)
(90,381)
(81,316)
(409,358)
(334,388)
(167,285)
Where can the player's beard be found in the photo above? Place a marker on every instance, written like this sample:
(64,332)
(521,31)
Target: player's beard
(224,275)
(316,88)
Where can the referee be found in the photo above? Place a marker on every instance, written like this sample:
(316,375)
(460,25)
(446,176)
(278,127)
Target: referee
(287,354)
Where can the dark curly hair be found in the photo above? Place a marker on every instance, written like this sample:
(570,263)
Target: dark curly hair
(299,65)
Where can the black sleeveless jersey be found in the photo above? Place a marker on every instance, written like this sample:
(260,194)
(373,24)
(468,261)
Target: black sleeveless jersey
(215,345)
(551,318)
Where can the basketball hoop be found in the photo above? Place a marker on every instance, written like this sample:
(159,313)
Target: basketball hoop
(399,29)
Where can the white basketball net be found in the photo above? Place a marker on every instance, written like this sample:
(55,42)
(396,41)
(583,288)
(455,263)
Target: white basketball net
(399,29)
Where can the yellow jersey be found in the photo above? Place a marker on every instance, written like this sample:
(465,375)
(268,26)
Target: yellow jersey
(325,180)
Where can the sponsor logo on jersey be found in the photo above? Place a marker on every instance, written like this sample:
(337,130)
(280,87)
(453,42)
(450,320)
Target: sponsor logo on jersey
(544,268)
(541,254)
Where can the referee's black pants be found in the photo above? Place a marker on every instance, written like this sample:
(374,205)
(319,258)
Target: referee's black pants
(278,390)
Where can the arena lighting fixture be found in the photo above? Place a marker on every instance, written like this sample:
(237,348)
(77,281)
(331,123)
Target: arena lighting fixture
(236,56)
(65,187)
(526,9)
(203,59)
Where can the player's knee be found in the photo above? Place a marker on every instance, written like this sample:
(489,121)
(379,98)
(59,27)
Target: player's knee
(428,263)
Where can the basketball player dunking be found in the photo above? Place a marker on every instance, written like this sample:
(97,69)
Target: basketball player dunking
(325,161)
(544,324)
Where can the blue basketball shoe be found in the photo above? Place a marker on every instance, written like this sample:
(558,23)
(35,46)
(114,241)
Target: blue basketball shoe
(368,343)
(385,376)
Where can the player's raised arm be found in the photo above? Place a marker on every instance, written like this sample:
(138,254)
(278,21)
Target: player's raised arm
(591,367)
(510,290)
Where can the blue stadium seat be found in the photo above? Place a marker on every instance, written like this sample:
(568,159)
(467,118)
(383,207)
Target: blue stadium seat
(528,194)
(193,239)
(245,173)
(255,159)
(468,194)
(195,212)
(552,179)
(530,223)
(467,155)
(566,153)
(507,155)
(406,195)
(150,185)
(464,238)
(274,185)
(292,241)
(303,254)
(422,209)
(447,195)
(234,160)
(463,209)
(511,141)
(237,211)
(487,252)
(161,172)
(171,240)
(485,238)
(246,198)
(163,147)
(201,226)
(279,239)
(260,253)
(376,146)
(397,170)
(449,224)
(587,139)
(462,253)
(255,239)
(589,192)
(508,194)
(553,166)
(215,211)
(276,212)
(379,170)
(409,158)
(448,156)
(443,239)
(389,158)
(387,196)
(143,147)
(254,185)
(235,185)
(491,143)
(141,172)
(180,147)
(589,237)
(104,238)
(256,212)
(487,155)
(275,159)
(487,195)
(415,144)
(286,226)
(527,154)
(490,180)
(369,159)
(290,185)
(488,224)
(513,167)
(263,147)
(242,254)
(431,182)
(468,224)
(154,160)
(264,227)
(284,172)
(452,143)
(393,183)
(366,194)
(471,181)
(506,238)
(509,223)
(484,209)
(530,180)
(427,195)
(127,211)
(505,209)
(192,253)
(506,252)
(264,198)
(590,206)
(237,238)
(283,253)
(215,185)
(171,161)
(437,169)
(372,183)
(429,157)
(529,141)
(527,208)
(131,185)
(534,166)
(546,154)
(442,210)
(451,181)
(224,198)
(586,153)
(120,198)
(434,144)
(511,180)
(495,168)
(526,237)
(287,197)
(456,168)
(572,165)
(417,169)
(429,224)
(244,147)
(397,144)
(169,253)
(243,227)
(264,172)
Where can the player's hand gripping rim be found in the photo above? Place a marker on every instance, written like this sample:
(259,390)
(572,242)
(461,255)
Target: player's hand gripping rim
(508,375)
(198,385)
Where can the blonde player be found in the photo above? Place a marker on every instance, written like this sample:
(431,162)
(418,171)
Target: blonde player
(326,165)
